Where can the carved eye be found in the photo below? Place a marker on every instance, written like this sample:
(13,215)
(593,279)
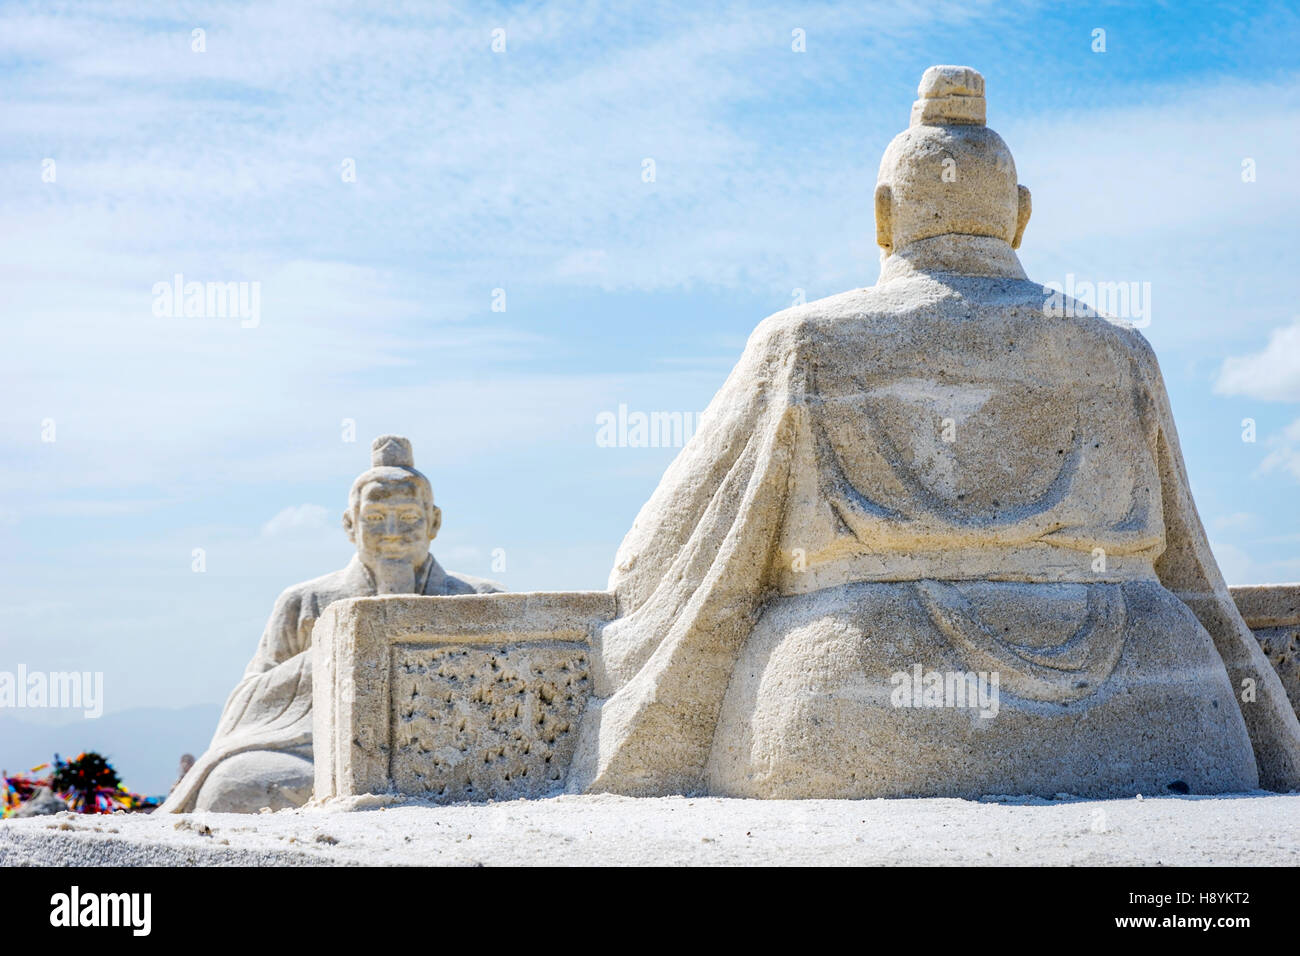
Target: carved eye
(372,517)
(411,517)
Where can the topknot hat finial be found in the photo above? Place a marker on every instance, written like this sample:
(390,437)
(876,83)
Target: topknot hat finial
(391,450)
(949,96)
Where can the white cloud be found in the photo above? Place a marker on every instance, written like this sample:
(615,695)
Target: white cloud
(295,519)
(465,156)
(1284,452)
(1270,375)
(476,171)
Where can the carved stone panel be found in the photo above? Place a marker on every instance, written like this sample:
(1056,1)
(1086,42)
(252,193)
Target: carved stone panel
(474,722)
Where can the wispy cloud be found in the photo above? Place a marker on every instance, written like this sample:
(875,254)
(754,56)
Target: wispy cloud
(1272,374)
(1283,452)
(296,518)
(521,171)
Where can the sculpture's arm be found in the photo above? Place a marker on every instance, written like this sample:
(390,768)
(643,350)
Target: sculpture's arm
(689,579)
(270,708)
(283,637)
(1188,569)
(469,584)
(275,691)
(681,505)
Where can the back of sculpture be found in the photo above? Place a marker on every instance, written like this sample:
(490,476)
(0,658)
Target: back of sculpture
(968,424)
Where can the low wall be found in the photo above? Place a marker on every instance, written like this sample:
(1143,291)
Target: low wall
(471,697)
(1272,612)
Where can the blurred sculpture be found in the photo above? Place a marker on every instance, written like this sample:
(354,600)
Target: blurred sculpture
(261,754)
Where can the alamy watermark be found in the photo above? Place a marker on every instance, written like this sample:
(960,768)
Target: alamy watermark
(209,300)
(1130,301)
(80,690)
(625,429)
(959,689)
(130,910)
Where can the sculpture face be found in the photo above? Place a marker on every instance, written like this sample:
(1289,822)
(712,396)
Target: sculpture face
(394,523)
(391,517)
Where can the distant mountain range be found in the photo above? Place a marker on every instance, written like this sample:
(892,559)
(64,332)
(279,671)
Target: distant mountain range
(144,744)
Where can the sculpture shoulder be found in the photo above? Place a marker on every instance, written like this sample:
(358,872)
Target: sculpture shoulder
(1117,334)
(458,583)
(897,307)
(1135,342)
(910,314)
(315,595)
(804,324)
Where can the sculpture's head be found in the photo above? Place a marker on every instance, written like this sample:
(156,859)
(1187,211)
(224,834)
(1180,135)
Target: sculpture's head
(391,515)
(948,173)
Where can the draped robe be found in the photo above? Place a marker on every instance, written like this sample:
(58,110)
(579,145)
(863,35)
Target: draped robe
(270,708)
(946,425)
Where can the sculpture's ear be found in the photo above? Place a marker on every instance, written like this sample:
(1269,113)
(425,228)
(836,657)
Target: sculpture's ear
(435,521)
(1022,216)
(348,528)
(884,217)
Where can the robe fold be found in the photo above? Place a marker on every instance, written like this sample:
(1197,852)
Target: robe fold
(271,707)
(950,424)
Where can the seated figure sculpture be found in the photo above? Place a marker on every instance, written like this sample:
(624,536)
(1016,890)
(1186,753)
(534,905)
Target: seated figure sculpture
(261,754)
(950,473)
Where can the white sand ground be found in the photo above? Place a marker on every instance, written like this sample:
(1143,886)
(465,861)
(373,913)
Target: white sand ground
(1251,829)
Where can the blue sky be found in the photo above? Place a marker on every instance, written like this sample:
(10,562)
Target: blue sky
(522,170)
